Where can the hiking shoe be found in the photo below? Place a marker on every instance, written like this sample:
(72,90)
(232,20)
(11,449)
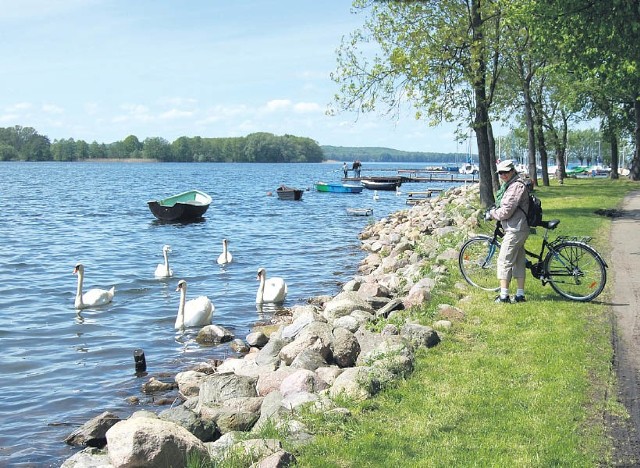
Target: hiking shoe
(520,299)
(500,299)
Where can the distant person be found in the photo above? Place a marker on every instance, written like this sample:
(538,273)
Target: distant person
(512,204)
(356,167)
(345,169)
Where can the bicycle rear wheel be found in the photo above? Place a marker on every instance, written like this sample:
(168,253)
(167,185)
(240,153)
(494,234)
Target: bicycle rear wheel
(576,271)
(477,261)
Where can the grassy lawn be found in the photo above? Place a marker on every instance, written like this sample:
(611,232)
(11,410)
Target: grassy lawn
(510,385)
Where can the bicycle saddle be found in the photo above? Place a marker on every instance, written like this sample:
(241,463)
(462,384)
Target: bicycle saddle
(551,224)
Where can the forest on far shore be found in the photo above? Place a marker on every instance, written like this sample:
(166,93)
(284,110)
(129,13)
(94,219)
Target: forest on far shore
(26,144)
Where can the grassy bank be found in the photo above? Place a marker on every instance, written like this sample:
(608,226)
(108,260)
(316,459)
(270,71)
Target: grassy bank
(510,385)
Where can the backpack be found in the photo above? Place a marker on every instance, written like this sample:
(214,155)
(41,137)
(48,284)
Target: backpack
(534,216)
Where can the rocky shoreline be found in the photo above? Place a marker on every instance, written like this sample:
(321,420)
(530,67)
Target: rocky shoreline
(316,354)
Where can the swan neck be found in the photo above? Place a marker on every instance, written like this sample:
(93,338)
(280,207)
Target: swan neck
(180,317)
(260,295)
(79,288)
(166,261)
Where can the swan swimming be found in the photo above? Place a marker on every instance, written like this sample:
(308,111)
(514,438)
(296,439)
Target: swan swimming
(271,289)
(375,195)
(225,257)
(93,297)
(163,270)
(195,312)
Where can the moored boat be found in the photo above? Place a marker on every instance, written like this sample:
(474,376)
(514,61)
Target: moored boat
(289,193)
(338,188)
(185,206)
(380,184)
(360,211)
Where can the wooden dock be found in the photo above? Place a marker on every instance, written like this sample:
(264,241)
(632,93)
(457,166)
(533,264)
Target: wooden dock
(418,175)
(417,197)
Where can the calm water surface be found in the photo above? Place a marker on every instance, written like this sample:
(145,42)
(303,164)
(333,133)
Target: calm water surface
(59,368)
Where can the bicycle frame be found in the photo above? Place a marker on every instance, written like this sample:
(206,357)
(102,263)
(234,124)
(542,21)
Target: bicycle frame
(535,268)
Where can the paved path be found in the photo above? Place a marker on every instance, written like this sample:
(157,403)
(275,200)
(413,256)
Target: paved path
(624,270)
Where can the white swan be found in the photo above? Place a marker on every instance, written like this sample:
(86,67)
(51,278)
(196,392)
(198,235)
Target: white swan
(195,312)
(270,290)
(225,257)
(375,195)
(93,297)
(163,270)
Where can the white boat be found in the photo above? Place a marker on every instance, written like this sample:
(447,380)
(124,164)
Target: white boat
(360,211)
(468,168)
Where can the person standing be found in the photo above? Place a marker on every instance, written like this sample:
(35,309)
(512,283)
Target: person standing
(345,169)
(512,205)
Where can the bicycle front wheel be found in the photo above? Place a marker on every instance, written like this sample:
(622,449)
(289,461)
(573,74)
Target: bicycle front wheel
(477,260)
(576,271)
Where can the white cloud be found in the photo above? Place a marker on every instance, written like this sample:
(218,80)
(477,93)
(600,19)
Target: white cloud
(52,109)
(9,118)
(19,106)
(277,105)
(175,114)
(308,107)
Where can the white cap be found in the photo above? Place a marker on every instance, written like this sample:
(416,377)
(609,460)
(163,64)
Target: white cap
(505,166)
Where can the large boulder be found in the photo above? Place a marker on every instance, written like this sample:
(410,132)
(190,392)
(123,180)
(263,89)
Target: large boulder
(316,336)
(152,442)
(218,388)
(343,304)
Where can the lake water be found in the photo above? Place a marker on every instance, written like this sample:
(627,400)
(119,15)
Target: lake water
(60,368)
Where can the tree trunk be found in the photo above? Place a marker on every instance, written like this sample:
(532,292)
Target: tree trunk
(481,119)
(614,156)
(542,147)
(634,171)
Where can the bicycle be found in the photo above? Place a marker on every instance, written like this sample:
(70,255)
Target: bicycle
(573,268)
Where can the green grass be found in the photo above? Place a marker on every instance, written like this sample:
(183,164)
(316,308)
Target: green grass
(510,385)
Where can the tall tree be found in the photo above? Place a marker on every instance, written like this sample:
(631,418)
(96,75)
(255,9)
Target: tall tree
(440,56)
(599,41)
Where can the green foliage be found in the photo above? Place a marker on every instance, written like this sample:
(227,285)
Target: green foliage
(375,154)
(18,143)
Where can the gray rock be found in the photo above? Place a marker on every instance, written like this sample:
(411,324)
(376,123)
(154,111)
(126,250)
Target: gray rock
(89,457)
(343,304)
(218,388)
(148,442)
(316,336)
(279,459)
(349,322)
(206,431)
(93,432)
(394,304)
(420,335)
(257,339)
(345,347)
(302,380)
(329,374)
(269,354)
(239,346)
(189,382)
(309,359)
(271,381)
(213,334)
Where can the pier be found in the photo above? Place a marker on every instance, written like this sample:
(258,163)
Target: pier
(416,175)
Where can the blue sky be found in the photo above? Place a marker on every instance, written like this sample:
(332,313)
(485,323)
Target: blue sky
(105,69)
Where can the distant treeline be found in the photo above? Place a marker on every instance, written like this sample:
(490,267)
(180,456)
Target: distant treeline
(25,144)
(374,154)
